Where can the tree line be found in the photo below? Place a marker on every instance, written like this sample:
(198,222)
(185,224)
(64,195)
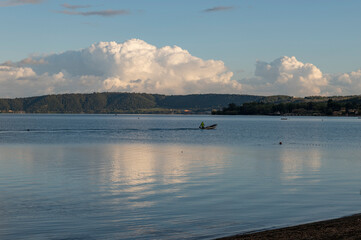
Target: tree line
(121,103)
(344,107)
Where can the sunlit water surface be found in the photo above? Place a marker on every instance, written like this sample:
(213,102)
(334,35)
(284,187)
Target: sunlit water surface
(160,177)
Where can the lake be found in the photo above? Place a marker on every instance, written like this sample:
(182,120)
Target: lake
(160,177)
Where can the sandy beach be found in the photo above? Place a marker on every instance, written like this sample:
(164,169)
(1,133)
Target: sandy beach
(340,228)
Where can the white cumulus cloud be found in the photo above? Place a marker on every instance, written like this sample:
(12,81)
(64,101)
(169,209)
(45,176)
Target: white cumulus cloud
(9,73)
(287,76)
(134,66)
(344,83)
(137,66)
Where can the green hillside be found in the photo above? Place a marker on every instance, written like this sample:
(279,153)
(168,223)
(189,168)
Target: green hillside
(122,103)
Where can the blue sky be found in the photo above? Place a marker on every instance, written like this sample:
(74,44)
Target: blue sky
(239,33)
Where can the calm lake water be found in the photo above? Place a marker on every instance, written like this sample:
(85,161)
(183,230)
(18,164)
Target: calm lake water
(160,177)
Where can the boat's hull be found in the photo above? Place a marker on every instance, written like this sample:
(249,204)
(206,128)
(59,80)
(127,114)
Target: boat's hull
(209,127)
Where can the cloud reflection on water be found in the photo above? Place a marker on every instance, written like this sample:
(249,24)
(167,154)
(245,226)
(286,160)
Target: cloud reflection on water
(139,172)
(144,190)
(294,161)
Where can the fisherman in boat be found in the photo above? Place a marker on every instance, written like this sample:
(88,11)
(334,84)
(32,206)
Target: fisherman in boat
(202,125)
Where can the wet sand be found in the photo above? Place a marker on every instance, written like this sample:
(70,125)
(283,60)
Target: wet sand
(341,228)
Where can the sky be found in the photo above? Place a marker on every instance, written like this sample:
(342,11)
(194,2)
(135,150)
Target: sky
(262,47)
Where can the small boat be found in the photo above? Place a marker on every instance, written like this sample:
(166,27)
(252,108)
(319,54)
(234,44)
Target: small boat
(209,127)
(284,118)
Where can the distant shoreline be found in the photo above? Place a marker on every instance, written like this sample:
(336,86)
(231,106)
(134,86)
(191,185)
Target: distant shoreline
(215,104)
(282,117)
(348,227)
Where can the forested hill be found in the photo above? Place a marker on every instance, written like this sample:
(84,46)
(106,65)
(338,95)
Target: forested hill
(309,106)
(122,103)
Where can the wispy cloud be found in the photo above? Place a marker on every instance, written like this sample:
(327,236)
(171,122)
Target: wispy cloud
(69,6)
(103,13)
(11,3)
(219,8)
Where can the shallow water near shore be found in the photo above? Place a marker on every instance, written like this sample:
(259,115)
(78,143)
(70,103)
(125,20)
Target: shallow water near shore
(160,177)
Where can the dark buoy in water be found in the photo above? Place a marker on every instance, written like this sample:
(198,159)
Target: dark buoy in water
(280,143)
(28,129)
